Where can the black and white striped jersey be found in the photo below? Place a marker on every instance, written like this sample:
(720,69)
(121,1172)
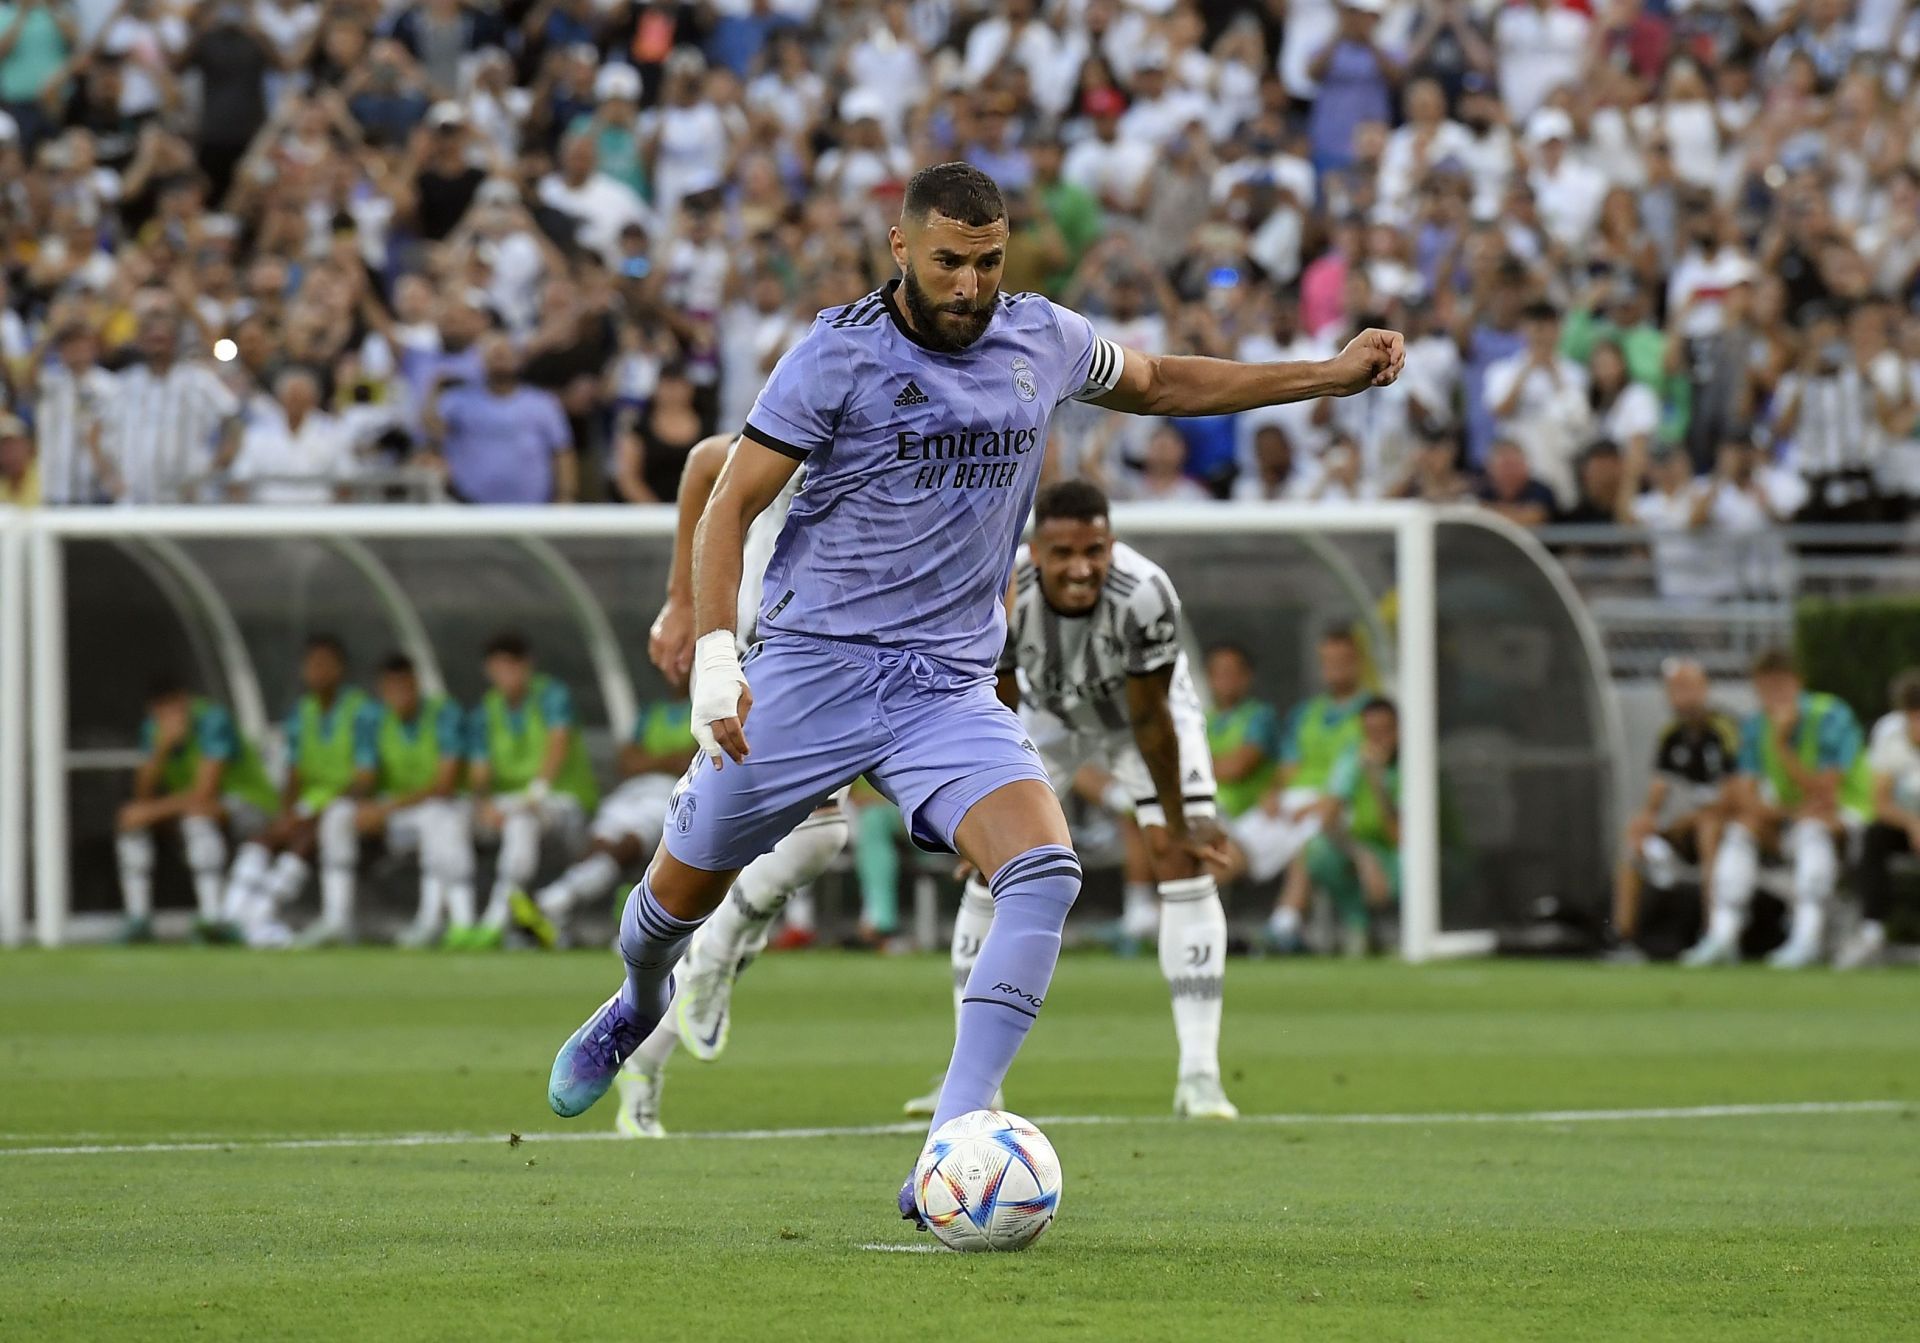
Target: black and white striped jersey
(1076,667)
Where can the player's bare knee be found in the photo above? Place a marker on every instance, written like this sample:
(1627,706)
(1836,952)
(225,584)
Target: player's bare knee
(1008,822)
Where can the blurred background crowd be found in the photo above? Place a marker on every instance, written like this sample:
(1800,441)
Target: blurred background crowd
(1657,260)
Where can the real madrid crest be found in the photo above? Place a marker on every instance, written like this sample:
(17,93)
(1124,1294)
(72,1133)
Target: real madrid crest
(1024,385)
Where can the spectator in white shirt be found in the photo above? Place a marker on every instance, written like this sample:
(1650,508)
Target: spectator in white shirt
(599,206)
(1567,192)
(1625,412)
(1428,139)
(291,452)
(1111,166)
(1539,399)
(1542,47)
(1162,477)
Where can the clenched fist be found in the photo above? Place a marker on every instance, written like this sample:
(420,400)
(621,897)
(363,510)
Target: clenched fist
(1373,358)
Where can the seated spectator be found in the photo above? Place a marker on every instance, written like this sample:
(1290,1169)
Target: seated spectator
(1893,755)
(1672,509)
(1801,789)
(1680,818)
(1355,858)
(1510,490)
(1837,413)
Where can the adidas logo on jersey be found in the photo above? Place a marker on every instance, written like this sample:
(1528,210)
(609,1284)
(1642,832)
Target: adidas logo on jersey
(911,395)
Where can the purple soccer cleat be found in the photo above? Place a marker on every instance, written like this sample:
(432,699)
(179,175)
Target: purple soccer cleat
(588,1062)
(910,1206)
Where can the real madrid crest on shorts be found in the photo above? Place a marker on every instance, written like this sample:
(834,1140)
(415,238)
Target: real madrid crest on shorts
(1024,385)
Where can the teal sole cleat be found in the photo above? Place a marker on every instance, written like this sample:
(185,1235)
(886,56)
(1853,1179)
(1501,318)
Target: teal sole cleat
(588,1062)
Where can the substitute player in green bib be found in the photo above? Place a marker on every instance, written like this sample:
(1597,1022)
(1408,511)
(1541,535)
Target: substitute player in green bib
(1355,858)
(199,774)
(1802,789)
(328,743)
(1316,734)
(529,771)
(409,796)
(627,827)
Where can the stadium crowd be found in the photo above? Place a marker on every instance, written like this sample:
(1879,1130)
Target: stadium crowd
(1656,259)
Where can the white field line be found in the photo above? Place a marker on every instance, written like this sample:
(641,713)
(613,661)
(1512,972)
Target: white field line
(370,1140)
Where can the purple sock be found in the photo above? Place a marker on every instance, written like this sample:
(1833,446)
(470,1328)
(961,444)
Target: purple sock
(651,942)
(1031,897)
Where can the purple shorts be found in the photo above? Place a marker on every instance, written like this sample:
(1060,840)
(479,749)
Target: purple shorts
(826,711)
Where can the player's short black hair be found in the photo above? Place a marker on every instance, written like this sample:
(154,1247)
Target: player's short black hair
(1340,634)
(508,643)
(1231,648)
(1776,662)
(165,686)
(397,664)
(1905,692)
(957,190)
(1074,500)
(1540,310)
(1381,704)
(322,642)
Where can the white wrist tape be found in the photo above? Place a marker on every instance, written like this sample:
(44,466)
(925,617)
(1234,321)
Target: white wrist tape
(716,684)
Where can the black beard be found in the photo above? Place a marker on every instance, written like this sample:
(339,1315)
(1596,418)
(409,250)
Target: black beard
(926,314)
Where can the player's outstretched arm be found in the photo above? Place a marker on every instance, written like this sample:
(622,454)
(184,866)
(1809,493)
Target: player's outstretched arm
(751,479)
(1171,384)
(670,640)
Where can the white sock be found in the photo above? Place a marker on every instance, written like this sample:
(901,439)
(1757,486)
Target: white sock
(1662,862)
(433,903)
(249,871)
(591,877)
(970,927)
(1873,933)
(460,902)
(336,896)
(1139,915)
(1193,957)
(206,846)
(1285,921)
(134,850)
(1816,871)
(1736,867)
(519,858)
(287,879)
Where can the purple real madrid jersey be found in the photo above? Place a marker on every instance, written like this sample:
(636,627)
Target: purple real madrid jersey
(921,467)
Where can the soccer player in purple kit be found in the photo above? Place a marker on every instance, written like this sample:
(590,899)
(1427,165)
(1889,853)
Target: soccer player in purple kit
(921,413)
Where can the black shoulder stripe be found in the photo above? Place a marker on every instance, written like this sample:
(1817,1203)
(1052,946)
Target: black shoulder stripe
(856,313)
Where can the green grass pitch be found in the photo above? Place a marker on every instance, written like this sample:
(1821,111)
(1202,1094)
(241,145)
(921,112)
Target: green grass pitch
(1331,1224)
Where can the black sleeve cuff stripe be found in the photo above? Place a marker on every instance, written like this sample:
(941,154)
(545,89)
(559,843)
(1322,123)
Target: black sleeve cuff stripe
(779,445)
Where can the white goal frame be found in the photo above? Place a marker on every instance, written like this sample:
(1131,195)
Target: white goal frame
(32,565)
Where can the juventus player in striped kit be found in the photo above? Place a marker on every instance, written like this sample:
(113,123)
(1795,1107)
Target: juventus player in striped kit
(1094,664)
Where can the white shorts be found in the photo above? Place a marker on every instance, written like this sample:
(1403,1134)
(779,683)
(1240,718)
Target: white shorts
(1270,842)
(407,826)
(1064,751)
(637,808)
(559,813)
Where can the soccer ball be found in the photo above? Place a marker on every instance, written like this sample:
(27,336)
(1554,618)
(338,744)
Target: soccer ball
(987,1181)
